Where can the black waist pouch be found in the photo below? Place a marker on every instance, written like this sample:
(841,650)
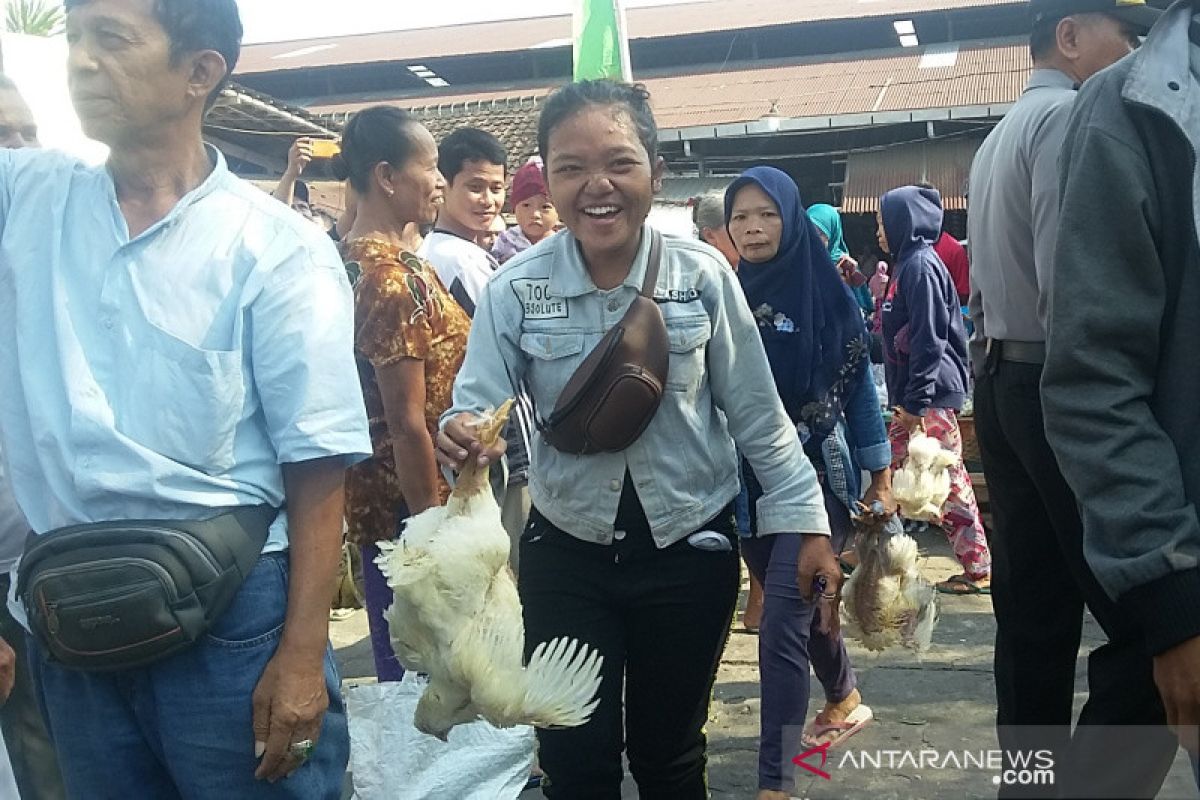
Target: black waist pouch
(119,595)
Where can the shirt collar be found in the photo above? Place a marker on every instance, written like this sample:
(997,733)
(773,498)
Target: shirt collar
(215,180)
(568,273)
(1049,78)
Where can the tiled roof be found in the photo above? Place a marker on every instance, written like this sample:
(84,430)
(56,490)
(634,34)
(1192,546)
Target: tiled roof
(511,120)
(928,78)
(523,34)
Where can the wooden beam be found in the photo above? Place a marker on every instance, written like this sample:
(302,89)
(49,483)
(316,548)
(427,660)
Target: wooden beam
(276,165)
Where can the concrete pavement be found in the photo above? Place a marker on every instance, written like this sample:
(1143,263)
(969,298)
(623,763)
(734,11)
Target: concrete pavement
(944,702)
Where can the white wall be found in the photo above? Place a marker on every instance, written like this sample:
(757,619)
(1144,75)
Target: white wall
(675,220)
(38,66)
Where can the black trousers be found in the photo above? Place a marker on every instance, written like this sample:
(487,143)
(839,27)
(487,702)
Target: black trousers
(1040,585)
(660,618)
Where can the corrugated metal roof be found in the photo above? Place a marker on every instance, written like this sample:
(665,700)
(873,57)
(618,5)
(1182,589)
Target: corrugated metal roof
(944,163)
(522,34)
(980,75)
(258,128)
(895,81)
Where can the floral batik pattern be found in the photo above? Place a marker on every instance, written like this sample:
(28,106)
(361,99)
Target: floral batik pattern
(401,311)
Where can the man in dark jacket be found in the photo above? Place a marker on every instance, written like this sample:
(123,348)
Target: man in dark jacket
(1041,580)
(1122,382)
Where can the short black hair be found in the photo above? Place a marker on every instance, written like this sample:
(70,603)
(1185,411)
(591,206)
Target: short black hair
(372,136)
(195,25)
(1044,38)
(469,144)
(569,99)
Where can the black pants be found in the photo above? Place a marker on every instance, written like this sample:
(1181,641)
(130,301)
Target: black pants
(660,618)
(1040,584)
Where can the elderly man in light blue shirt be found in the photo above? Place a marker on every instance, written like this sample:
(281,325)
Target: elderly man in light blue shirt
(176,343)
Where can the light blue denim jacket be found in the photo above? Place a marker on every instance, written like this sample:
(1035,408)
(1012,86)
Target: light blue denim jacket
(539,318)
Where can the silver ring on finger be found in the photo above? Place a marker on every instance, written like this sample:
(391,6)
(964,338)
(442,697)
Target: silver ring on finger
(302,750)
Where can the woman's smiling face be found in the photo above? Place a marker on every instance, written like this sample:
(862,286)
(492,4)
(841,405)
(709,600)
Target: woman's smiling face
(601,179)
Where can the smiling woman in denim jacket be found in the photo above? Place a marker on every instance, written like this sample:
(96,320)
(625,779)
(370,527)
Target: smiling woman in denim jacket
(817,345)
(633,552)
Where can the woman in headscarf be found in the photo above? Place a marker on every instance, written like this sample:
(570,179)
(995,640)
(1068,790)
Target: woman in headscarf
(829,229)
(817,346)
(925,349)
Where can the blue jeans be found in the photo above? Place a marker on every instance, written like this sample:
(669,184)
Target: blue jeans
(181,728)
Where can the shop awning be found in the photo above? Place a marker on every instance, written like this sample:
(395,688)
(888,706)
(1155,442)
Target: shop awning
(944,163)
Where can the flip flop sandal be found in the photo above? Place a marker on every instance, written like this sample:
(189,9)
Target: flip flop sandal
(969,587)
(815,733)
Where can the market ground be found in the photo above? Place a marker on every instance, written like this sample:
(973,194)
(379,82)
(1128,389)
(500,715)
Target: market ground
(945,701)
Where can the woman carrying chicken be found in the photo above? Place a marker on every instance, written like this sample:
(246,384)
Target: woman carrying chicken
(817,344)
(925,357)
(410,336)
(634,552)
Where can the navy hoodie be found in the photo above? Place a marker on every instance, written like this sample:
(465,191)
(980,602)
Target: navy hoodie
(924,340)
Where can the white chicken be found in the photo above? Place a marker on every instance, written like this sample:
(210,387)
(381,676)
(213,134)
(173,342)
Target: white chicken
(922,485)
(457,618)
(886,601)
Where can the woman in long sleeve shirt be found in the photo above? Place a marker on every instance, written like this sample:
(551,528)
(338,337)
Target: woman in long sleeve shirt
(818,348)
(633,552)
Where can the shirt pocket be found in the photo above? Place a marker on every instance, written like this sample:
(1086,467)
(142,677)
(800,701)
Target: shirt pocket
(553,359)
(689,339)
(182,401)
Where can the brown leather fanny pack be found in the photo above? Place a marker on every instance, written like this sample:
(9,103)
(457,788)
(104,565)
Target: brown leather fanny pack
(615,392)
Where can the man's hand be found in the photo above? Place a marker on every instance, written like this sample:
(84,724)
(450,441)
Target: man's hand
(1177,674)
(820,578)
(880,491)
(459,440)
(290,699)
(300,154)
(289,704)
(911,422)
(8,670)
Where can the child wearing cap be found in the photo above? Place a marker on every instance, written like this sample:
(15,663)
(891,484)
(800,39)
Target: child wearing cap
(536,216)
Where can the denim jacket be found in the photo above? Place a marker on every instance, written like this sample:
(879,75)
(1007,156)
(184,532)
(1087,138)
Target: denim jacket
(539,318)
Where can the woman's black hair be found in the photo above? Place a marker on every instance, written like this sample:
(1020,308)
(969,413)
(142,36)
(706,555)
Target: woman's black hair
(566,101)
(373,135)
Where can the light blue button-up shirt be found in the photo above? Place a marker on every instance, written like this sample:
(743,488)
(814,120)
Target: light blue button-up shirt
(170,374)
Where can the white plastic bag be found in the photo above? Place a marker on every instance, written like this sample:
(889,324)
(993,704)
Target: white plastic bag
(391,760)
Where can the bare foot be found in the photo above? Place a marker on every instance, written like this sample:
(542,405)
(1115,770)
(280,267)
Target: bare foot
(833,713)
(964,584)
(771,794)
(752,616)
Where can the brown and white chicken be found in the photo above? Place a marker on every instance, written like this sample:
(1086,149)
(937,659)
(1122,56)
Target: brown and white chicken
(886,601)
(457,618)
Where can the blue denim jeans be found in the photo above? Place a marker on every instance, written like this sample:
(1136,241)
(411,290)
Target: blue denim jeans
(181,728)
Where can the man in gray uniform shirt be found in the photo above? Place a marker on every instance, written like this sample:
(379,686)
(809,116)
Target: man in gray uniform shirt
(1040,580)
